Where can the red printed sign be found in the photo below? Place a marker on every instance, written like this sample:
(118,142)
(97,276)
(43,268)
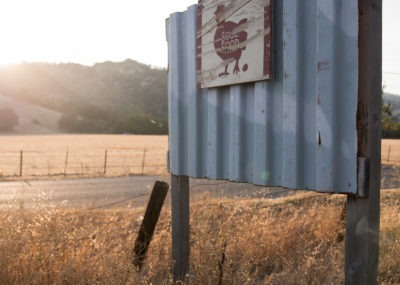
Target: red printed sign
(234,42)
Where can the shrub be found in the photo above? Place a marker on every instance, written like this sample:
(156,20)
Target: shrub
(8,120)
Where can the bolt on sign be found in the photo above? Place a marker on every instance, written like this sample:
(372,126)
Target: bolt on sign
(234,42)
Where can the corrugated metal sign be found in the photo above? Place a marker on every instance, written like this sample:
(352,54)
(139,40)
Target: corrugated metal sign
(297,130)
(234,42)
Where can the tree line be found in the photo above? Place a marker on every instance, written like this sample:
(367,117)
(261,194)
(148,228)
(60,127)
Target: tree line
(112,97)
(108,97)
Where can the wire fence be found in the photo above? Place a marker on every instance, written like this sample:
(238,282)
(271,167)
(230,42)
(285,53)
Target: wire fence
(106,162)
(390,156)
(102,162)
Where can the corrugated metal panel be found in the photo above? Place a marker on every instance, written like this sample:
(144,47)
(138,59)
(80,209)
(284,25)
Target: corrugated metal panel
(297,130)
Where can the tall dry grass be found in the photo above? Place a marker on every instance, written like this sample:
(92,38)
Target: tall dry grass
(389,265)
(297,240)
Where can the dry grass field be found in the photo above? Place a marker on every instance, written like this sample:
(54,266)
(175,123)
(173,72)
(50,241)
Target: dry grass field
(100,155)
(294,240)
(82,155)
(391,151)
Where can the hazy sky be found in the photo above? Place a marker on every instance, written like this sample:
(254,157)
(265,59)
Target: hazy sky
(86,31)
(89,31)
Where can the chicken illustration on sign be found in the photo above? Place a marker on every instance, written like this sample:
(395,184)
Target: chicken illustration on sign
(233,42)
(229,41)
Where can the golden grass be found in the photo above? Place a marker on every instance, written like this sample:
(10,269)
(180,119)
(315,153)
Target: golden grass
(295,240)
(46,155)
(390,151)
(389,266)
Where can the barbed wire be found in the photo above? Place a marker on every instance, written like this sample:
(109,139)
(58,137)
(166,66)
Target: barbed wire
(106,162)
(389,72)
(133,197)
(34,163)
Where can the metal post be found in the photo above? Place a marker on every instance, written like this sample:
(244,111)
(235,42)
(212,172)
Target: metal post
(362,219)
(180,226)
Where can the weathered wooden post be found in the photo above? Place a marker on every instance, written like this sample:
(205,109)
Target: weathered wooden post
(180,226)
(363,211)
(143,160)
(21,162)
(105,162)
(66,162)
(149,222)
(388,155)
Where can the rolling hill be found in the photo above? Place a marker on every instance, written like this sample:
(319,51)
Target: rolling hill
(108,97)
(394,101)
(32,119)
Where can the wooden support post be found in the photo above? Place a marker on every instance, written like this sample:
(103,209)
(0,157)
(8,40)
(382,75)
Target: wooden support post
(362,219)
(149,222)
(180,226)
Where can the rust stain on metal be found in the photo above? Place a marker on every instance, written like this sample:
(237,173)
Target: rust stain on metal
(323,65)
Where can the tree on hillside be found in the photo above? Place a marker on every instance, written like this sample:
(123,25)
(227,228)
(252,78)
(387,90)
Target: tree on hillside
(8,120)
(390,127)
(141,124)
(97,99)
(75,123)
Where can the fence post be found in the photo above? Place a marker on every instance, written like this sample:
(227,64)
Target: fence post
(66,162)
(180,226)
(149,222)
(388,154)
(143,160)
(21,162)
(105,161)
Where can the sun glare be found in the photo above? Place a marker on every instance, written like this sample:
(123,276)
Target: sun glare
(9,60)
(16,29)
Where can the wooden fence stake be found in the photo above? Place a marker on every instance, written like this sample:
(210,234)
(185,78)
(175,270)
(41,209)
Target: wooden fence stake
(363,211)
(143,160)
(149,222)
(388,154)
(180,227)
(21,162)
(105,162)
(66,162)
